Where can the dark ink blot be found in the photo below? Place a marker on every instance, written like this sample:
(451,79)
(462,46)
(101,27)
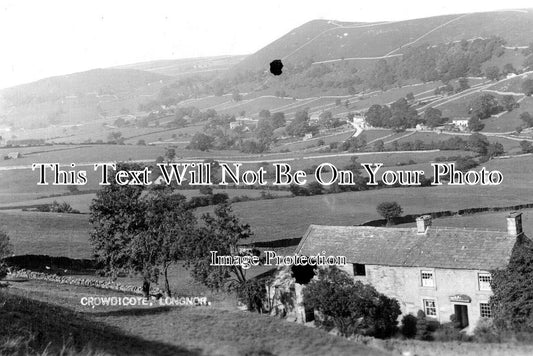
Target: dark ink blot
(276,66)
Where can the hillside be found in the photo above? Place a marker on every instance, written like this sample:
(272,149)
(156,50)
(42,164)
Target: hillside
(323,40)
(187,66)
(96,81)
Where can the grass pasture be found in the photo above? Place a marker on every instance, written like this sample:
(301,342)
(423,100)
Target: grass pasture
(289,217)
(163,330)
(48,233)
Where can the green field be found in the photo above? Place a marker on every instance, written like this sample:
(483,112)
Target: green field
(270,222)
(57,316)
(66,234)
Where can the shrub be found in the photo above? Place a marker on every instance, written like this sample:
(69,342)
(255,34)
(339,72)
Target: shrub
(422,328)
(408,327)
(251,293)
(350,306)
(485,331)
(450,332)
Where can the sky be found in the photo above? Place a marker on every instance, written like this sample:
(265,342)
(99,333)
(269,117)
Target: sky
(40,39)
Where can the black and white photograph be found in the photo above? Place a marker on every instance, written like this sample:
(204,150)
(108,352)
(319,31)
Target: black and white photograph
(266,178)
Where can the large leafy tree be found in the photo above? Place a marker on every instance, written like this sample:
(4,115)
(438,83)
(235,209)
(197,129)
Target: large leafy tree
(351,306)
(433,117)
(484,106)
(169,224)
(117,215)
(390,211)
(512,301)
(138,231)
(222,232)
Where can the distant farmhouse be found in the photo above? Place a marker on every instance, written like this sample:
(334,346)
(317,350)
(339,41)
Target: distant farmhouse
(246,123)
(442,271)
(13,155)
(461,124)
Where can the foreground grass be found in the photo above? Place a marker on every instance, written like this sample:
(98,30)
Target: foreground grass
(32,327)
(449,348)
(51,323)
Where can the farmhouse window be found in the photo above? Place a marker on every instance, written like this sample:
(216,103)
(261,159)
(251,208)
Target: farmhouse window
(430,307)
(359,269)
(484,280)
(484,310)
(427,279)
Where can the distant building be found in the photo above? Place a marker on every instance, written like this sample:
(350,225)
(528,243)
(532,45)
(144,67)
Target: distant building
(315,117)
(14,155)
(461,123)
(442,271)
(243,122)
(308,136)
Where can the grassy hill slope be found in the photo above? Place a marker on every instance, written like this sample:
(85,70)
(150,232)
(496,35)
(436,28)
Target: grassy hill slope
(322,40)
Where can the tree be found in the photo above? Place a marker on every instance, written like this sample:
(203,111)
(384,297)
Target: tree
(236,96)
(463,164)
(170,154)
(315,188)
(201,141)
(495,149)
(526,146)
(478,143)
(527,87)
(140,233)
(378,146)
(433,117)
(484,106)
(264,132)
(277,120)
(512,290)
(117,216)
(169,224)
(116,138)
(492,73)
(527,119)
(475,124)
(300,125)
(463,84)
(508,68)
(5,250)
(390,211)
(349,305)
(508,102)
(222,232)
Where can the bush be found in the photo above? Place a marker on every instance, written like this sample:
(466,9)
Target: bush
(485,331)
(408,327)
(449,332)
(350,306)
(251,293)
(423,331)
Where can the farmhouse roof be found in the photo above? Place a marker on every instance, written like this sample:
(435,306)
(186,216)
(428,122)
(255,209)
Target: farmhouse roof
(437,247)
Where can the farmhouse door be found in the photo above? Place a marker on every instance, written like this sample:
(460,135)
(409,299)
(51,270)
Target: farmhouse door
(461,313)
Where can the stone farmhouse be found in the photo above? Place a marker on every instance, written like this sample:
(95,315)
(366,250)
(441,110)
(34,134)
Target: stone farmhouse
(442,271)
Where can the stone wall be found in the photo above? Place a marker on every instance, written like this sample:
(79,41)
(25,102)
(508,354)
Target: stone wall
(85,282)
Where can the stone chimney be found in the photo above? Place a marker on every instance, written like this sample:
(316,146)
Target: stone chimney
(514,223)
(422,224)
